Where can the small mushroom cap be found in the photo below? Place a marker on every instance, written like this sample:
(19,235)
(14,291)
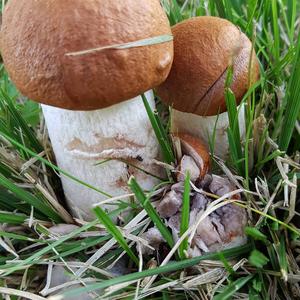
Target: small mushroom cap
(37,35)
(195,148)
(204,48)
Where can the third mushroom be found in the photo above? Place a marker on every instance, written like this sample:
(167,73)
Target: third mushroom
(217,229)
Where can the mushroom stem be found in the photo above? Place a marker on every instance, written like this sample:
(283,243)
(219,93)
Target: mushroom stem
(203,128)
(83,139)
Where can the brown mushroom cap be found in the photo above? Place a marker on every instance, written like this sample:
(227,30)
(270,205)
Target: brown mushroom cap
(204,48)
(37,35)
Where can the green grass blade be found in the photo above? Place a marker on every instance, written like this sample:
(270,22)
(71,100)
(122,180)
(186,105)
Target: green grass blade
(234,287)
(115,232)
(36,256)
(212,138)
(258,259)
(228,9)
(12,218)
(161,135)
(276,31)
(153,215)
(226,264)
(237,6)
(233,131)
(234,120)
(18,122)
(171,267)
(251,10)
(79,247)
(292,102)
(200,9)
(20,237)
(234,153)
(291,15)
(49,164)
(30,199)
(175,15)
(255,234)
(220,7)
(271,156)
(185,215)
(282,258)
(11,203)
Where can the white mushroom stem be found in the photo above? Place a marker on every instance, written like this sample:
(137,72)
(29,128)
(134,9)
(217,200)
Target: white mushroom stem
(203,127)
(82,139)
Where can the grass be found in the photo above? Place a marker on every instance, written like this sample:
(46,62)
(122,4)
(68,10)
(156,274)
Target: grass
(160,133)
(146,204)
(185,215)
(267,164)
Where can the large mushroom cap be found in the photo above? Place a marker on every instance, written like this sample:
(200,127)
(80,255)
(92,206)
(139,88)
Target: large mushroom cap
(204,48)
(37,35)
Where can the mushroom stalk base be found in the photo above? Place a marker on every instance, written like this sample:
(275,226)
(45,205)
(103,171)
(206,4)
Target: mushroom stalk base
(101,148)
(203,127)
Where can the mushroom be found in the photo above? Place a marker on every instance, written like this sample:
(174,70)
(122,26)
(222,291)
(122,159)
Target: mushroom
(220,228)
(169,204)
(154,240)
(204,48)
(61,280)
(195,155)
(92,106)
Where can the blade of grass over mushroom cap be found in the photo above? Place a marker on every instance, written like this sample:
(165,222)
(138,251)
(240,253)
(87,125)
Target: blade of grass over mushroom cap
(153,215)
(115,232)
(140,43)
(185,216)
(160,133)
(171,267)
